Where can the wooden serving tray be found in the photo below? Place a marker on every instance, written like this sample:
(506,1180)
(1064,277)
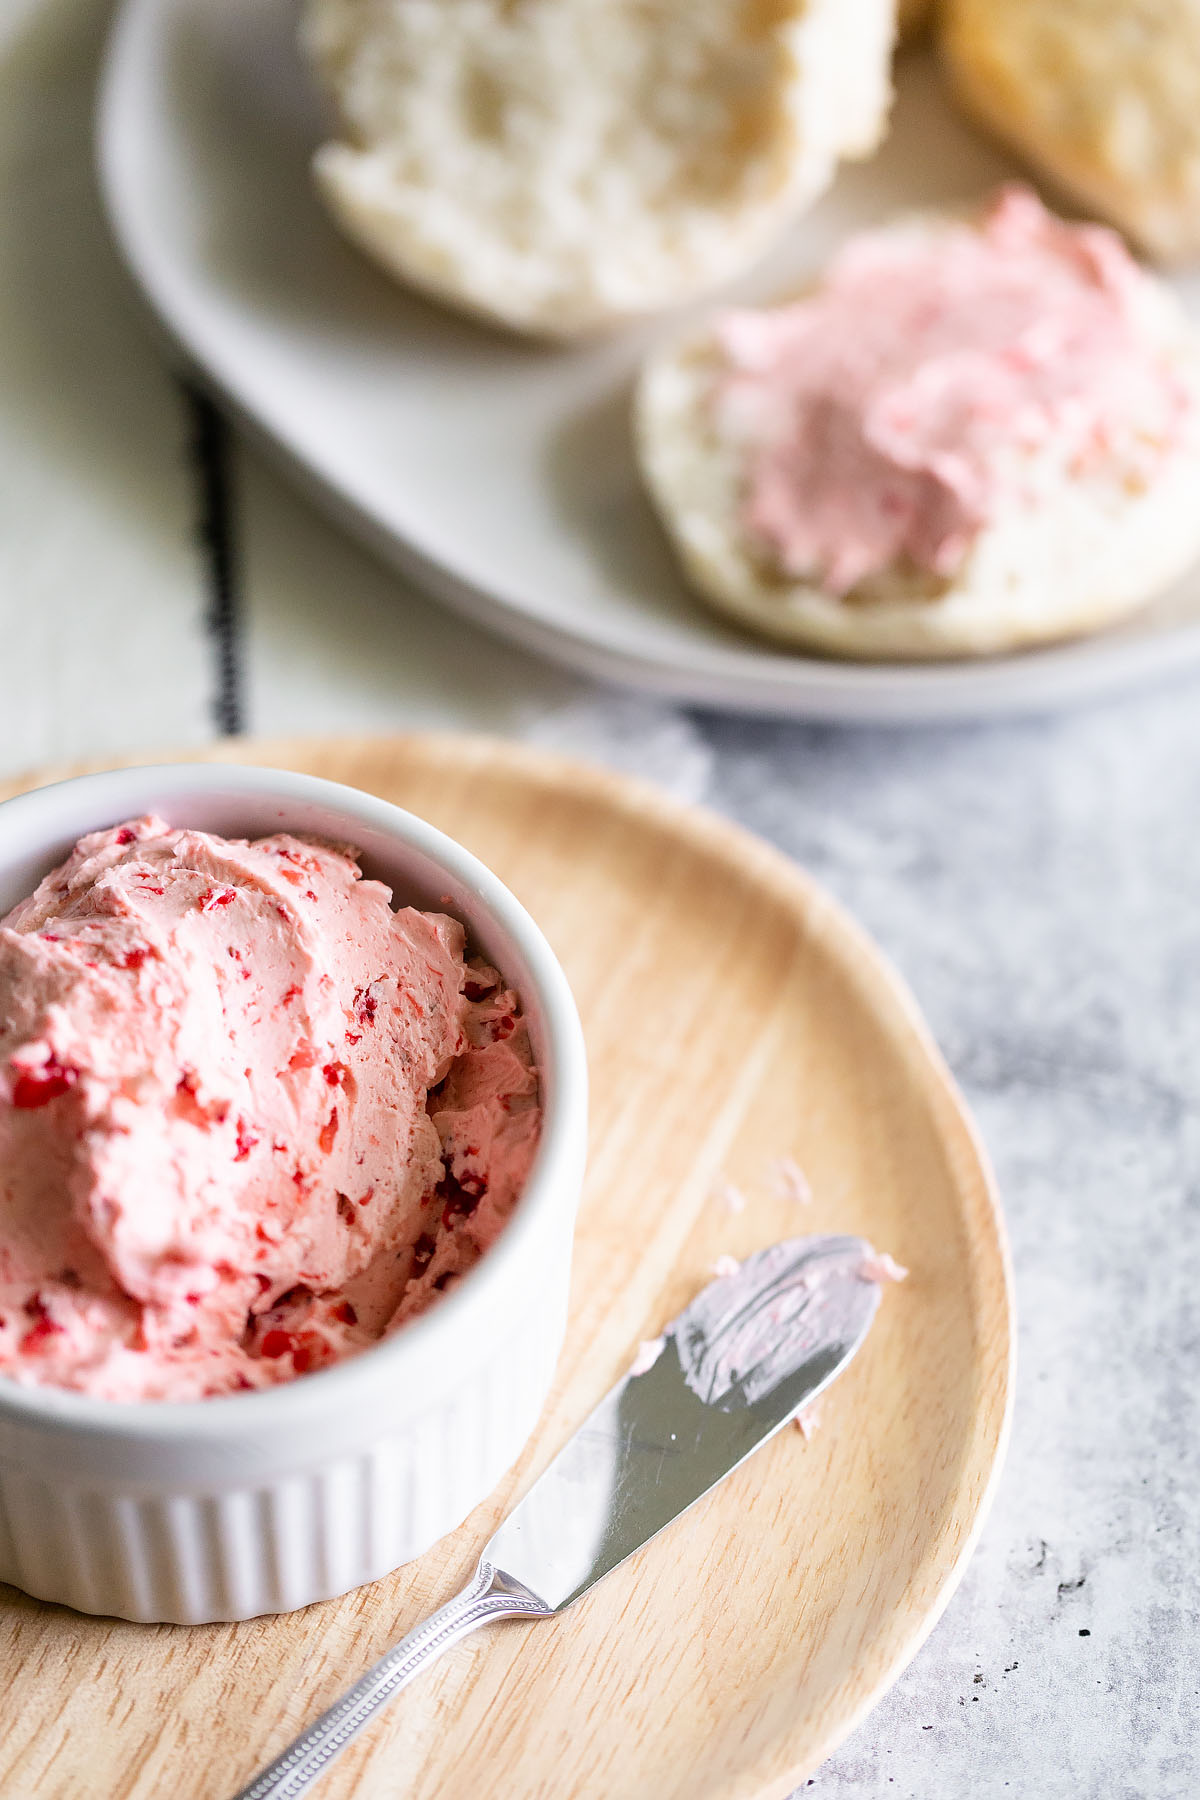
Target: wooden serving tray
(734,1015)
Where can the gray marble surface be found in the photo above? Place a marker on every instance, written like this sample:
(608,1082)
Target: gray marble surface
(1037,884)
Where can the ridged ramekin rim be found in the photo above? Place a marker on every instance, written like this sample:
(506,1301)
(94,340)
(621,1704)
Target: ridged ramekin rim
(554,1180)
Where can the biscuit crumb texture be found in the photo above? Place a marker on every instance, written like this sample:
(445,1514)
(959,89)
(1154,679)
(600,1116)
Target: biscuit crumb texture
(1103,96)
(562,165)
(1076,554)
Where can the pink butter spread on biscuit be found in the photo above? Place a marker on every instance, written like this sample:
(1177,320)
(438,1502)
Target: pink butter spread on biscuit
(251,1118)
(892,414)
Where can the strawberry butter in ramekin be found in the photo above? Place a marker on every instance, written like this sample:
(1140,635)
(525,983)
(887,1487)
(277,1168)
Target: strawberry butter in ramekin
(267,1121)
(251,1118)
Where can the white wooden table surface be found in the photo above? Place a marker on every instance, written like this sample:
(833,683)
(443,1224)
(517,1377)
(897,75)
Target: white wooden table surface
(1036,883)
(106,596)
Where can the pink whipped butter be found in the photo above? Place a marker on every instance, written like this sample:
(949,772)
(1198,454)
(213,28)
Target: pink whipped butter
(895,412)
(251,1119)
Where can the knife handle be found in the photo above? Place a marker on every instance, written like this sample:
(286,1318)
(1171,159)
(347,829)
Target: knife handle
(490,1594)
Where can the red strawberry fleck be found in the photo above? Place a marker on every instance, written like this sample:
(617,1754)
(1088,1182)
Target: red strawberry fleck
(310,1349)
(37,1087)
(246,1141)
(354,1037)
(308,894)
(189,1105)
(133,959)
(43,1326)
(328,1132)
(263,1236)
(365,1006)
(35,1338)
(291,994)
(277,1343)
(241,1384)
(299,1177)
(264,1281)
(334,1073)
(345,1313)
(125,836)
(364,1199)
(192,1299)
(217,896)
(503,1027)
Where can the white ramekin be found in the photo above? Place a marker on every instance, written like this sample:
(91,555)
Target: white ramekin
(259,1503)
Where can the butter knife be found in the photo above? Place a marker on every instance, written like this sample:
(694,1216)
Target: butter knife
(753,1349)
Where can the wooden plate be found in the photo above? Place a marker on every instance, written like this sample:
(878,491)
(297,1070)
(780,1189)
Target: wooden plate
(734,1015)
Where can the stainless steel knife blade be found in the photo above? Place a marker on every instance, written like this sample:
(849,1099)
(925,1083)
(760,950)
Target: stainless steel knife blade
(751,1351)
